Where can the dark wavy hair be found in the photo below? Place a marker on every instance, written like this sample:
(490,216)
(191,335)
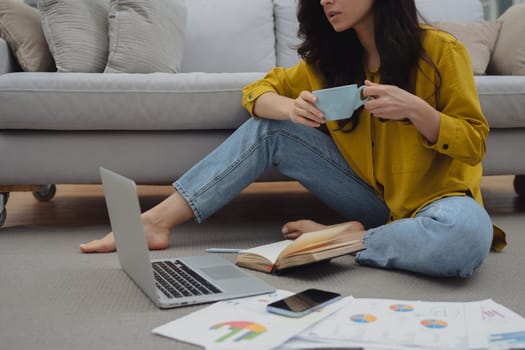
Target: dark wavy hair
(338,56)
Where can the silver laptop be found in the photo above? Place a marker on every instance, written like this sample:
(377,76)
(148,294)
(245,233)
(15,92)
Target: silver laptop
(169,282)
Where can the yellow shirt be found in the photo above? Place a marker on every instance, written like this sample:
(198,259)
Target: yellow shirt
(404,169)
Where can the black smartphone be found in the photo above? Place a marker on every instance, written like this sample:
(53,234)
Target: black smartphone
(302,303)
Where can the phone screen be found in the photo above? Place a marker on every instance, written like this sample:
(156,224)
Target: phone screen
(300,303)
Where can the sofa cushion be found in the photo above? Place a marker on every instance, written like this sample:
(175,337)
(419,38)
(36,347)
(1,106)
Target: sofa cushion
(463,11)
(479,38)
(106,101)
(509,53)
(229,36)
(7,61)
(286,29)
(502,99)
(146,36)
(20,27)
(77,33)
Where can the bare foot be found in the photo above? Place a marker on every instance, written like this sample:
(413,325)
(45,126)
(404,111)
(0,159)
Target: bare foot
(158,222)
(157,237)
(293,229)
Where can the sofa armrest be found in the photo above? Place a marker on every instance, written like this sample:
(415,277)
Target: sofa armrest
(7,61)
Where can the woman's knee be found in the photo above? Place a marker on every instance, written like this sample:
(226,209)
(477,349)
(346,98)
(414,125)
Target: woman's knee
(450,237)
(464,239)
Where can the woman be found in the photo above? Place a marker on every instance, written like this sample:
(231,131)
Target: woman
(405,169)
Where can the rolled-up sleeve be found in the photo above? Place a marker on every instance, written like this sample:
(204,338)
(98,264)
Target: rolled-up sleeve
(287,82)
(463,128)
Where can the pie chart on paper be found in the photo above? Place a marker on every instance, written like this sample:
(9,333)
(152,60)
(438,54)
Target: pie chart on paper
(435,324)
(401,308)
(363,318)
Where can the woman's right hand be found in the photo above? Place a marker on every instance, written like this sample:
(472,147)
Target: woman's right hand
(304,110)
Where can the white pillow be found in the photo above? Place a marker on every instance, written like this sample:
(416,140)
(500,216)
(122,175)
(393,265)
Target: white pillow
(229,36)
(145,36)
(76,32)
(458,11)
(286,28)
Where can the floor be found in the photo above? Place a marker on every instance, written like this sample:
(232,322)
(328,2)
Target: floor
(77,205)
(54,297)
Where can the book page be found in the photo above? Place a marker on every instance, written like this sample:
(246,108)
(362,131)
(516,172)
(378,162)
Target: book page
(315,239)
(269,251)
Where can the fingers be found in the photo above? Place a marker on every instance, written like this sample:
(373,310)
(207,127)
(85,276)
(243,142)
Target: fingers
(372,89)
(304,110)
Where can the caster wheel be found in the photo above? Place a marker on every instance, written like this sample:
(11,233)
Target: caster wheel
(3,217)
(5,197)
(46,193)
(519,185)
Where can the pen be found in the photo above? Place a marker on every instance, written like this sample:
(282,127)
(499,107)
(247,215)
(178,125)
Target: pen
(223,250)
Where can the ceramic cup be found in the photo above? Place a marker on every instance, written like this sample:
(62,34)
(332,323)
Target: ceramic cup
(339,102)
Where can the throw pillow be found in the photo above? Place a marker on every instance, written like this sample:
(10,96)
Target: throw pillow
(509,54)
(479,38)
(76,32)
(20,27)
(146,36)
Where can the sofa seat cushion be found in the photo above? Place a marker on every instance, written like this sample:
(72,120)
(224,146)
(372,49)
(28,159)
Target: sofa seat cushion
(502,99)
(104,101)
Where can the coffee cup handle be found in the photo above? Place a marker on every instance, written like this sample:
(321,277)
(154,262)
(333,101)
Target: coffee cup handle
(361,89)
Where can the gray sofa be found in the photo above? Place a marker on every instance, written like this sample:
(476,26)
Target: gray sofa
(58,128)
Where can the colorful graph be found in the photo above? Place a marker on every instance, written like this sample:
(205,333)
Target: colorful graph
(363,318)
(401,308)
(435,324)
(250,329)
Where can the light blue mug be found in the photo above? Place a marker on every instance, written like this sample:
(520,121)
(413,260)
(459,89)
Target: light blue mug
(339,102)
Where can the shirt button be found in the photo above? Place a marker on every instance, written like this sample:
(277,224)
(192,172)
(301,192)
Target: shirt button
(250,96)
(445,146)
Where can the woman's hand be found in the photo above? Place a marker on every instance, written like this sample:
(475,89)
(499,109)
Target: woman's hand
(393,103)
(304,111)
(388,101)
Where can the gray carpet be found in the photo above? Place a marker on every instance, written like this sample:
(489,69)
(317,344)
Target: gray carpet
(53,297)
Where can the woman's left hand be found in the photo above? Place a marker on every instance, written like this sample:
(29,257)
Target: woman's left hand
(393,103)
(388,101)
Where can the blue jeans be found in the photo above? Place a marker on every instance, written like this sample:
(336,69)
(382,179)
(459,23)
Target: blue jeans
(450,237)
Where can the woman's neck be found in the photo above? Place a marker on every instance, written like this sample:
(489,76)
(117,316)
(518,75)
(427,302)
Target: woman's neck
(366,34)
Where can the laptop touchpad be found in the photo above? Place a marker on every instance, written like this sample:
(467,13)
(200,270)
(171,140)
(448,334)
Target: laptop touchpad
(222,272)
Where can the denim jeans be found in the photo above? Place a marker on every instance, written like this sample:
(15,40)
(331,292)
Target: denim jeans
(450,237)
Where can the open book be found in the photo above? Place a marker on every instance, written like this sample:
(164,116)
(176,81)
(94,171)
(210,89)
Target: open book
(308,248)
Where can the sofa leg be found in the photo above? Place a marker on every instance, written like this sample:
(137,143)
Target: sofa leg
(519,185)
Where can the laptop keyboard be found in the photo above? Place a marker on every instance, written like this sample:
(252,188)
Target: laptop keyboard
(176,280)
